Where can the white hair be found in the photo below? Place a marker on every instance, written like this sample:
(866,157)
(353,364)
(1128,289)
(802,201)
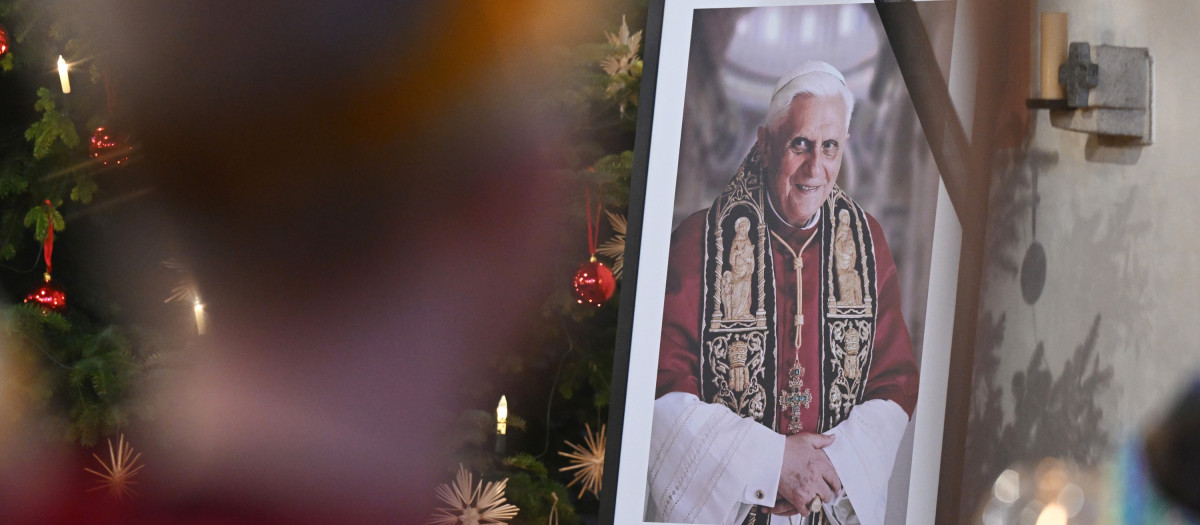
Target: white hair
(812,78)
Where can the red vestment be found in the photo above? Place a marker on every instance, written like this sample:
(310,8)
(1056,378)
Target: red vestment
(893,372)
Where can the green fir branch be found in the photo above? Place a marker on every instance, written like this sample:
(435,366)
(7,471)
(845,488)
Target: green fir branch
(527,462)
(12,179)
(54,126)
(84,189)
(40,218)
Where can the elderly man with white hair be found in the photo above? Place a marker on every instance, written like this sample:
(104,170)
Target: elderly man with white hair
(794,411)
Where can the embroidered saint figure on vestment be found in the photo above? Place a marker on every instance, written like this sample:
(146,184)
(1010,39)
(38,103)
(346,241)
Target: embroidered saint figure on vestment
(737,280)
(849,283)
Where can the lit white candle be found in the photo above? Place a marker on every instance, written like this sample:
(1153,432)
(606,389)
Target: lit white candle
(62,74)
(502,416)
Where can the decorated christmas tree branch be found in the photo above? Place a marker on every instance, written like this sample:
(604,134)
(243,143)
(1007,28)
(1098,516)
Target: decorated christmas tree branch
(89,366)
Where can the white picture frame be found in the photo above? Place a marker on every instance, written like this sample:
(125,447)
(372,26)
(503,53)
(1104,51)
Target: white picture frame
(651,217)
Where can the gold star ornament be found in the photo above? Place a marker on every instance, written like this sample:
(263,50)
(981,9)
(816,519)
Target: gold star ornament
(119,471)
(587,462)
(485,505)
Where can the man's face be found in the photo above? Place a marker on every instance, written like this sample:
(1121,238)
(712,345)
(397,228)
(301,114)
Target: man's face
(803,153)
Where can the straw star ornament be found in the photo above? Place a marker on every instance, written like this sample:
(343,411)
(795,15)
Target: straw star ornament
(185,291)
(622,61)
(587,462)
(485,505)
(119,472)
(614,247)
(623,66)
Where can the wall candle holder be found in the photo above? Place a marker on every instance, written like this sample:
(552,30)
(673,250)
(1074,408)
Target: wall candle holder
(1108,91)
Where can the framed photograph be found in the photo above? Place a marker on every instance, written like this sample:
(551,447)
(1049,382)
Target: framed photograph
(791,269)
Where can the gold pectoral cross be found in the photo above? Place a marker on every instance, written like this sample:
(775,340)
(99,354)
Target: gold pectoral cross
(795,396)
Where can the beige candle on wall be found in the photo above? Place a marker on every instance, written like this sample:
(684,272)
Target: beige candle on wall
(1054,52)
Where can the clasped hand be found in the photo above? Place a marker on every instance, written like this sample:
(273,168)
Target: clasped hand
(807,473)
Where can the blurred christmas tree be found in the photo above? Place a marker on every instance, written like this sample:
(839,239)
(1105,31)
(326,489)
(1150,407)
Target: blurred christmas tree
(89,363)
(559,388)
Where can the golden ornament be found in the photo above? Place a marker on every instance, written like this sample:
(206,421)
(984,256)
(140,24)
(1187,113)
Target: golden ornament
(485,505)
(588,462)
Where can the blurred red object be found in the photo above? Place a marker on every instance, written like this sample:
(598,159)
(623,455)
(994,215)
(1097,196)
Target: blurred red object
(108,146)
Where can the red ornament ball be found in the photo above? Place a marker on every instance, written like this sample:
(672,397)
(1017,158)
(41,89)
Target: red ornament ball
(594,283)
(109,147)
(3,41)
(48,296)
